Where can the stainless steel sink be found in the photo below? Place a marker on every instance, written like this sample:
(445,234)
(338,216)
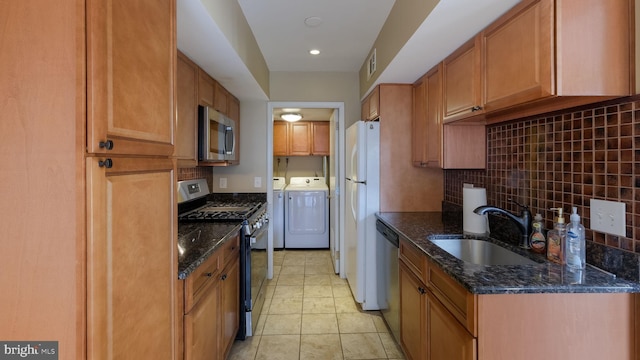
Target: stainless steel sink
(480,252)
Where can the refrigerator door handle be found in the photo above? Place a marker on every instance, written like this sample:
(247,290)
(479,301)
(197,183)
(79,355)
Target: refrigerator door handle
(361,182)
(353,196)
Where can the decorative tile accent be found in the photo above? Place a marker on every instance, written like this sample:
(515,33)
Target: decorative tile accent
(564,159)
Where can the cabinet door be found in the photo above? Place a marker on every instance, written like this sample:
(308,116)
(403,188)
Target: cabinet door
(462,85)
(434,118)
(220,98)
(364,109)
(202,324)
(206,88)
(299,134)
(233,108)
(187,115)
(131,258)
(131,55)
(374,104)
(412,315)
(230,282)
(447,339)
(280,138)
(320,138)
(518,55)
(419,124)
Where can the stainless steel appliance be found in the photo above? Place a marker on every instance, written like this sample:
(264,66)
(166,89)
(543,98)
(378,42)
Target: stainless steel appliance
(388,277)
(216,136)
(194,206)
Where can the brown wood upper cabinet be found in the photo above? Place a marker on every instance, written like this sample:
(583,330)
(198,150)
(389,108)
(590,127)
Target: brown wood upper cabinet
(130,97)
(220,98)
(371,105)
(462,83)
(186,122)
(302,138)
(546,49)
(434,144)
(206,88)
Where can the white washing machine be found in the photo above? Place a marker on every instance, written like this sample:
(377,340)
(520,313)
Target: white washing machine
(277,218)
(306,218)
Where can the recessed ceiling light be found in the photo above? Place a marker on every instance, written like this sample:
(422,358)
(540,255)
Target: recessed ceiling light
(313,21)
(314,51)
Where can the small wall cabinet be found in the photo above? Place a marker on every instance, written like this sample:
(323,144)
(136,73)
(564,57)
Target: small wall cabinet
(371,105)
(301,138)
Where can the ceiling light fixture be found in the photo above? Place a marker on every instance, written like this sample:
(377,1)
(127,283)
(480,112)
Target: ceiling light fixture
(314,51)
(290,117)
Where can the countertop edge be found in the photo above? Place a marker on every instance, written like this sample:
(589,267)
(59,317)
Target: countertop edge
(193,265)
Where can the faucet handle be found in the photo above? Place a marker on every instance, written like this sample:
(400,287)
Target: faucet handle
(524,207)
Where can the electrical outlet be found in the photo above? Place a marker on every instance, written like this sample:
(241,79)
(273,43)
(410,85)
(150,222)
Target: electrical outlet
(257,181)
(608,217)
(223,183)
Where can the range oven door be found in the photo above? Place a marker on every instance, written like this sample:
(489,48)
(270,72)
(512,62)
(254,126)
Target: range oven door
(258,278)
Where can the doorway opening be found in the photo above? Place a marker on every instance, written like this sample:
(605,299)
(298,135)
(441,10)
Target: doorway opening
(330,166)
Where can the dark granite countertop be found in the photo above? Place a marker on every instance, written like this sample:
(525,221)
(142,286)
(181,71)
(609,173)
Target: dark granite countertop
(542,277)
(198,240)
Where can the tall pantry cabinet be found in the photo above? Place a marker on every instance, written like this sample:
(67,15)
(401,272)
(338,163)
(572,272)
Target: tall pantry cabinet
(88,106)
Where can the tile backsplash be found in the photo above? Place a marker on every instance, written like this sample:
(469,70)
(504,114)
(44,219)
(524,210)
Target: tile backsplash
(564,159)
(196,173)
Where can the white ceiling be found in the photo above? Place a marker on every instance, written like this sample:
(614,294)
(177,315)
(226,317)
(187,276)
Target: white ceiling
(345,36)
(346,31)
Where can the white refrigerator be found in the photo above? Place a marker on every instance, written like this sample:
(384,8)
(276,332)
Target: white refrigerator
(362,196)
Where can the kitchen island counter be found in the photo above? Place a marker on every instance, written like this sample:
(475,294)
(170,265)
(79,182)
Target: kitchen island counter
(541,277)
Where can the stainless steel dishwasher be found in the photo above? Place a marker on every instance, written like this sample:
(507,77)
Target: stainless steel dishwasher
(388,278)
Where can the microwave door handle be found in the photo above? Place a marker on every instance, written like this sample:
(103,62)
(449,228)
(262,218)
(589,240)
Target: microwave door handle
(229,141)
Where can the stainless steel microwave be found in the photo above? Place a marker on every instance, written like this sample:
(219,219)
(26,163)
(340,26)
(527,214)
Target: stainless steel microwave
(216,136)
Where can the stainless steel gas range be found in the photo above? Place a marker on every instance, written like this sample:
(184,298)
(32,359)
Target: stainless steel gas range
(196,205)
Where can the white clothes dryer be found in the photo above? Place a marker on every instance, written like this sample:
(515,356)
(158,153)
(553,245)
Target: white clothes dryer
(277,217)
(306,218)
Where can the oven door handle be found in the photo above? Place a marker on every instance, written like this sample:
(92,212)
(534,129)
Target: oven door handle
(254,237)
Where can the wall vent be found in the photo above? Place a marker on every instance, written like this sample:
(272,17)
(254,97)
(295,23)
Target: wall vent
(371,64)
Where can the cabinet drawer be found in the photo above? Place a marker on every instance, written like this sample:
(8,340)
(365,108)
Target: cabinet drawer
(229,250)
(415,260)
(195,283)
(460,302)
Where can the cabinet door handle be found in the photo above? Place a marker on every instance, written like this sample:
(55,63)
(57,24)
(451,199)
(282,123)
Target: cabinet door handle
(106,144)
(108,163)
(476,108)
(223,277)
(421,290)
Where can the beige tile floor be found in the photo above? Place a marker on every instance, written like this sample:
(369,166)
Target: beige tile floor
(309,314)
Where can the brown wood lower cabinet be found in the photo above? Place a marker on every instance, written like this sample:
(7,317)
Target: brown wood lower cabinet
(443,321)
(211,299)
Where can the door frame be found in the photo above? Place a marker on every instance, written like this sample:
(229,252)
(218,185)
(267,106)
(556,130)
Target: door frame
(339,157)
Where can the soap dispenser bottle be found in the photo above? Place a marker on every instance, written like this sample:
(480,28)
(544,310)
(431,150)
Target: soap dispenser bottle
(537,241)
(575,252)
(555,239)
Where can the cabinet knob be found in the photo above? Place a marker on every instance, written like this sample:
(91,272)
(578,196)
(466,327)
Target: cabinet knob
(476,108)
(208,274)
(224,277)
(106,144)
(421,290)
(108,163)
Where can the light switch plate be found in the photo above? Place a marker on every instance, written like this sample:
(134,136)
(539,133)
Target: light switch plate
(223,183)
(257,181)
(608,217)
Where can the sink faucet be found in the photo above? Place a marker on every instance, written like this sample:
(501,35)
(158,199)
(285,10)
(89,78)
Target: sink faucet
(523,222)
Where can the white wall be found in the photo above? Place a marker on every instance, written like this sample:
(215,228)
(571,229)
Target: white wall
(298,166)
(253,154)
